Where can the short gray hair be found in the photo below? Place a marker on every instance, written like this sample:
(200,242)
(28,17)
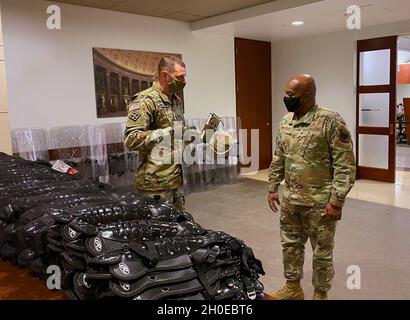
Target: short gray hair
(168,63)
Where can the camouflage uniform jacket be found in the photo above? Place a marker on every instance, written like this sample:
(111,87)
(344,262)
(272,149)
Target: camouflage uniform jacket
(314,155)
(148,112)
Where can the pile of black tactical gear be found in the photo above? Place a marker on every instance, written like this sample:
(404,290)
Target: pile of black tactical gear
(110,243)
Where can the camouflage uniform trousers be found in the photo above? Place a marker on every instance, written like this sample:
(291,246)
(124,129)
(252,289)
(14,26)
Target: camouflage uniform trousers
(297,224)
(173,197)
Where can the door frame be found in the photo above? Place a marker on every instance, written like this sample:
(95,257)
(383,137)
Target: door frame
(378,174)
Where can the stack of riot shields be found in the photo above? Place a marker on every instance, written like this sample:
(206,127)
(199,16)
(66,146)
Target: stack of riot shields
(114,244)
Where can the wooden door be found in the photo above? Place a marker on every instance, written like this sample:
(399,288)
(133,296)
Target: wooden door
(254,94)
(406,104)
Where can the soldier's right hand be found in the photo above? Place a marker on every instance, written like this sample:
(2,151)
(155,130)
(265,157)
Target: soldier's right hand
(192,135)
(159,134)
(273,200)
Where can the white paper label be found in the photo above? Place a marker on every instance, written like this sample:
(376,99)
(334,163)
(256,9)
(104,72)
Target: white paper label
(61,166)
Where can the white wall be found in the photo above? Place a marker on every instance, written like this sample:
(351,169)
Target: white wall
(403,57)
(5,139)
(330,58)
(50,72)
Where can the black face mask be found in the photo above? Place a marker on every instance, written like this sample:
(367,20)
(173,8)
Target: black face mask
(292,103)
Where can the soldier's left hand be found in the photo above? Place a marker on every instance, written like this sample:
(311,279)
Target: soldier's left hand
(335,213)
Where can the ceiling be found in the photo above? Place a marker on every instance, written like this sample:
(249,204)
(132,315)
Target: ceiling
(320,17)
(261,19)
(184,10)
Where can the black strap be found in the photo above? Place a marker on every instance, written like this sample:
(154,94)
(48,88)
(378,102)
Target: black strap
(249,257)
(235,245)
(209,292)
(148,281)
(150,252)
(192,286)
(213,254)
(249,287)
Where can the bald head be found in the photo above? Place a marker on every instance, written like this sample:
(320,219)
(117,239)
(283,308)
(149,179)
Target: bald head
(302,87)
(301,84)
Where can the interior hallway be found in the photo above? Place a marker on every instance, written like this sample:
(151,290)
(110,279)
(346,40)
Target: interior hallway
(391,194)
(378,233)
(372,236)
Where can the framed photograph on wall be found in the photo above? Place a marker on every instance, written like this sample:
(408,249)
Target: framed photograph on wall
(119,74)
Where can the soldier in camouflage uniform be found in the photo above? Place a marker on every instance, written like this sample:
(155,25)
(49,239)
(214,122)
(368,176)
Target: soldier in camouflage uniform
(314,155)
(154,115)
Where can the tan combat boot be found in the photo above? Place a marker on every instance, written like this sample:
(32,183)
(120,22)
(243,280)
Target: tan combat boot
(319,295)
(291,291)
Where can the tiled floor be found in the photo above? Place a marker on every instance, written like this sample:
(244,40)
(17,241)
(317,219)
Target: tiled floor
(403,157)
(392,194)
(372,237)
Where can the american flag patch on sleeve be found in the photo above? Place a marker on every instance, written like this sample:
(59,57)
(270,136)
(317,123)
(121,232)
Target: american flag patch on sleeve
(135,106)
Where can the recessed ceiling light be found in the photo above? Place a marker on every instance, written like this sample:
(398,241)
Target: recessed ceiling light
(298,23)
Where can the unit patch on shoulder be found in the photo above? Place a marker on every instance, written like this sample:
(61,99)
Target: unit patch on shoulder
(344,136)
(134,116)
